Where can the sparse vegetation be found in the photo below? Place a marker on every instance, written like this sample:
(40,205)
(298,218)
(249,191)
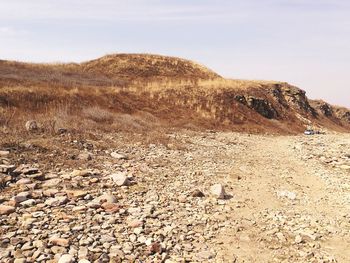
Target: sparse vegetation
(143,92)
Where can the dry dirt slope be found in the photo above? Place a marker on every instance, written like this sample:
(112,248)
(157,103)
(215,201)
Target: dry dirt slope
(287,199)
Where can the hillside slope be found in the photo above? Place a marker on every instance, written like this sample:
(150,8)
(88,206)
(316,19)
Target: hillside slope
(168,91)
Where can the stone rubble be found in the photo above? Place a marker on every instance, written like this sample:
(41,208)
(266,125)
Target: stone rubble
(170,205)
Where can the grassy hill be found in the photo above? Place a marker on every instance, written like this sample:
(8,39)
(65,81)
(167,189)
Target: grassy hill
(137,92)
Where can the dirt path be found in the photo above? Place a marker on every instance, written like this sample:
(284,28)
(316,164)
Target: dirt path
(290,213)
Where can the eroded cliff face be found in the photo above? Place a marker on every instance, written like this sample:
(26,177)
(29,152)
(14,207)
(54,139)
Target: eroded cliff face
(276,101)
(271,106)
(260,105)
(333,113)
(346,116)
(293,97)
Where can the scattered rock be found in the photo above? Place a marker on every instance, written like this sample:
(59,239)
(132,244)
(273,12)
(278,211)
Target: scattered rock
(105,198)
(218,191)
(110,207)
(66,258)
(197,193)
(298,239)
(82,173)
(21,197)
(24,181)
(51,183)
(84,156)
(6,169)
(28,203)
(81,216)
(6,210)
(57,241)
(4,153)
(31,126)
(155,247)
(120,179)
(119,156)
(56,201)
(287,194)
(76,193)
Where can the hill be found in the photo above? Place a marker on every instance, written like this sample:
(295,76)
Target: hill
(138,91)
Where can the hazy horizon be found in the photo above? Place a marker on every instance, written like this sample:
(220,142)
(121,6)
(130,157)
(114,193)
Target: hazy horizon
(305,43)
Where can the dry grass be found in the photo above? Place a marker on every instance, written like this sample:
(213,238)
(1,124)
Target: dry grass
(133,93)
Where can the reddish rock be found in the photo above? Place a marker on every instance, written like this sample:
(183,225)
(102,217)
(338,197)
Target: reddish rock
(76,193)
(155,247)
(56,241)
(197,193)
(110,207)
(135,223)
(6,209)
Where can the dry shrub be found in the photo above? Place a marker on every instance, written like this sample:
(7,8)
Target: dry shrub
(138,122)
(99,115)
(6,116)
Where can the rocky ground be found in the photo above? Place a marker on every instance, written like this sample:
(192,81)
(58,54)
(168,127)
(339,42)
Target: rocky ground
(199,197)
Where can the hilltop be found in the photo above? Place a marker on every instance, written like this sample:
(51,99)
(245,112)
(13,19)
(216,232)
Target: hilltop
(148,67)
(115,69)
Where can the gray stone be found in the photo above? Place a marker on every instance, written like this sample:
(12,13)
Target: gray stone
(51,183)
(4,153)
(105,198)
(66,258)
(218,191)
(57,201)
(116,155)
(28,203)
(21,197)
(120,179)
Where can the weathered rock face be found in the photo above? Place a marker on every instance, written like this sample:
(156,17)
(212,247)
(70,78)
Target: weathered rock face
(326,110)
(346,116)
(292,97)
(263,107)
(333,113)
(276,100)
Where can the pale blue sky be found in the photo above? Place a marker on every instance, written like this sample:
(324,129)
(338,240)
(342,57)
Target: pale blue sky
(303,42)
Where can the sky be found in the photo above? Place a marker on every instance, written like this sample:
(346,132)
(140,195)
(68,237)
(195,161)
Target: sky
(303,42)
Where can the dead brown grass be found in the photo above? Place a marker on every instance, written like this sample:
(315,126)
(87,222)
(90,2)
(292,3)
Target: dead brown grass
(134,93)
